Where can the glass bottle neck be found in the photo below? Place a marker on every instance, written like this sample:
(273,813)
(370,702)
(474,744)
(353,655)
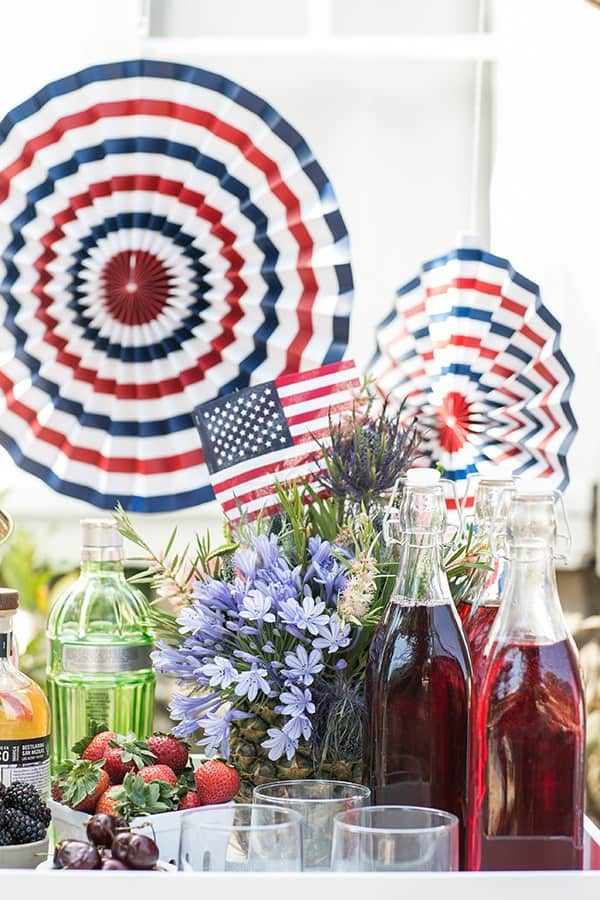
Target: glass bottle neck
(530,610)
(493,579)
(103,568)
(421,576)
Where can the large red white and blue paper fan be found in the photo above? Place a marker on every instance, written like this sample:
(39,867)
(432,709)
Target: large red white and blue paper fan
(166,237)
(471,349)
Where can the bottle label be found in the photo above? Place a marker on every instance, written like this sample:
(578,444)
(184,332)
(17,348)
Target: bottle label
(27,760)
(90,659)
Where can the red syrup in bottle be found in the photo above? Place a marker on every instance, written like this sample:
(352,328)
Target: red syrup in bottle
(422,684)
(530,719)
(418,677)
(477,628)
(527,751)
(463,608)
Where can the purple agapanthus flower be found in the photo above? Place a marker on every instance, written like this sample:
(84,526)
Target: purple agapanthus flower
(299,726)
(334,636)
(303,665)
(221,672)
(216,732)
(249,683)
(256,608)
(308,615)
(279,743)
(190,710)
(295,702)
(265,634)
(325,569)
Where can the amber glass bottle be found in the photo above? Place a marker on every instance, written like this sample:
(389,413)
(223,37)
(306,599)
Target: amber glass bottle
(24,712)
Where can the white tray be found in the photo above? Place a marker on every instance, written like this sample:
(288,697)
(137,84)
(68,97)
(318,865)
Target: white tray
(319,886)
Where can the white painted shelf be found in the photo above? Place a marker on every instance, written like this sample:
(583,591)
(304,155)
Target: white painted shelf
(450,47)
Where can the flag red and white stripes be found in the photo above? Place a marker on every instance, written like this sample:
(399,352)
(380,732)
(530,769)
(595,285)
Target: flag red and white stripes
(271,434)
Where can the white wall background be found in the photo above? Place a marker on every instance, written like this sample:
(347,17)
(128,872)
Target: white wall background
(389,116)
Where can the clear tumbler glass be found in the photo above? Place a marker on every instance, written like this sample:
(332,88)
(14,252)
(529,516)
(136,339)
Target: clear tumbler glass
(318,802)
(395,839)
(243,837)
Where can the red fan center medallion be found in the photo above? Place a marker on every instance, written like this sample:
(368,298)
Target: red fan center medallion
(136,286)
(455,419)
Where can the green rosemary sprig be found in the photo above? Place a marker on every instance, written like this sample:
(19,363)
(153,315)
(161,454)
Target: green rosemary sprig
(172,574)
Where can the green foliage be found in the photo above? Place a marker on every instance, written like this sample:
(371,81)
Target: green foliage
(20,568)
(77,779)
(466,567)
(172,573)
(137,752)
(137,798)
(94,728)
(37,581)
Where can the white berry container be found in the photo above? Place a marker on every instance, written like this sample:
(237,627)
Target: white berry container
(163,828)
(23,856)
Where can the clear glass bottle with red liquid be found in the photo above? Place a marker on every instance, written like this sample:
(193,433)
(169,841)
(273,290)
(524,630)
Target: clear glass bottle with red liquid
(418,677)
(479,611)
(526,792)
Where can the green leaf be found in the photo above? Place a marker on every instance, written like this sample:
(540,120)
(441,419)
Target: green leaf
(136,798)
(77,779)
(94,728)
(133,750)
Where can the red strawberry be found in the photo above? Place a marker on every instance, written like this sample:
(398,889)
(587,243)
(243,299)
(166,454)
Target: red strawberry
(169,751)
(126,754)
(216,782)
(79,784)
(89,804)
(97,747)
(107,804)
(158,773)
(190,800)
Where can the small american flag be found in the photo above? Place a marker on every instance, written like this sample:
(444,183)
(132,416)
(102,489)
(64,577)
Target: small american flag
(271,433)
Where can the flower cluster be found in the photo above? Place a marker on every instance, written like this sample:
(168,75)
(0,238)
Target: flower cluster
(262,637)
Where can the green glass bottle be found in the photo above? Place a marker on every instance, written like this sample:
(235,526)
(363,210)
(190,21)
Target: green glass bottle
(100,645)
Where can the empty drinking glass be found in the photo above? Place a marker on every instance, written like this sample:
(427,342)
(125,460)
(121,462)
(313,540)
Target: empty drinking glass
(395,839)
(318,802)
(241,838)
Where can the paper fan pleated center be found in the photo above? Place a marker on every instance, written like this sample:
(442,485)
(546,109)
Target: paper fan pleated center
(135,287)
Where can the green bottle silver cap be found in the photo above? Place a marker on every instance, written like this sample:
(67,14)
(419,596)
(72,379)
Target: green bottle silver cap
(100,540)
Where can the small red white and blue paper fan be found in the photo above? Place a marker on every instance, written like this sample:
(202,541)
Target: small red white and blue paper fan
(470,349)
(167,237)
